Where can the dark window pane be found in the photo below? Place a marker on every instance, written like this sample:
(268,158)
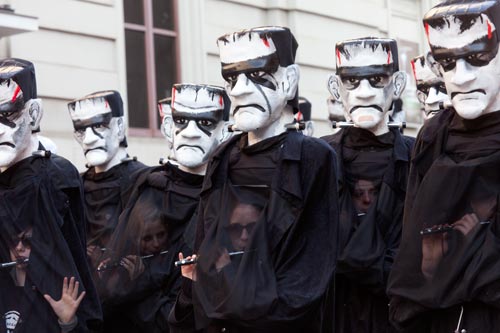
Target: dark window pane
(165,65)
(136,79)
(163,14)
(134,11)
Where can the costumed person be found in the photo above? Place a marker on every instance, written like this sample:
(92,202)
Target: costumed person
(99,128)
(374,166)
(446,276)
(42,192)
(275,280)
(431,91)
(139,282)
(19,238)
(304,116)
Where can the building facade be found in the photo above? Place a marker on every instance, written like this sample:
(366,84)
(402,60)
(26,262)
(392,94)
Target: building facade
(141,47)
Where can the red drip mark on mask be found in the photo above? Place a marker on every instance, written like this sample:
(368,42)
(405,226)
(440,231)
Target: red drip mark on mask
(14,97)
(299,116)
(427,30)
(338,57)
(221,101)
(160,109)
(388,57)
(489,29)
(413,69)
(106,104)
(266,42)
(173,96)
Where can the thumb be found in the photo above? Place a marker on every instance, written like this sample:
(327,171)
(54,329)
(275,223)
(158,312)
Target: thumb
(49,299)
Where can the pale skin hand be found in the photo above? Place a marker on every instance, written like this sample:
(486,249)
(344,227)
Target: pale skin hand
(133,265)
(65,308)
(435,246)
(188,271)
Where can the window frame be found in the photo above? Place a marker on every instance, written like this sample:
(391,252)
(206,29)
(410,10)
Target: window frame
(150,31)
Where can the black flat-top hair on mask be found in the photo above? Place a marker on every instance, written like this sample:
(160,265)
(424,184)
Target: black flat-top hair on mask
(387,44)
(113,98)
(465,11)
(305,108)
(284,41)
(23,73)
(282,37)
(214,92)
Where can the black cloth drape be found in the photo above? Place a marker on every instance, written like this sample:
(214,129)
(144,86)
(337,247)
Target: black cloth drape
(44,195)
(277,284)
(165,198)
(448,259)
(369,238)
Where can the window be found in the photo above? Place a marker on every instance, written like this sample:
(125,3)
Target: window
(151,57)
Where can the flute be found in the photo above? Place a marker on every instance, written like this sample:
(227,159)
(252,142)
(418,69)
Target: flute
(184,262)
(14,263)
(117,263)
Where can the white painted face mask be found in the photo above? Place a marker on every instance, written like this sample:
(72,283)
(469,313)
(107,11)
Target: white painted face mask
(198,122)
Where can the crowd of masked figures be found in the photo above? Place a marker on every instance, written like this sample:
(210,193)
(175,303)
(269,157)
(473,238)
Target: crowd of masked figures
(253,225)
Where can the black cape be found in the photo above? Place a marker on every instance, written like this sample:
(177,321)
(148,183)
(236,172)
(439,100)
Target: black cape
(278,282)
(448,260)
(368,242)
(170,196)
(106,194)
(45,194)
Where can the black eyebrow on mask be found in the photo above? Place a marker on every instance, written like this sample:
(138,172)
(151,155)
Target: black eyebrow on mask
(365,71)
(268,63)
(482,44)
(214,116)
(79,124)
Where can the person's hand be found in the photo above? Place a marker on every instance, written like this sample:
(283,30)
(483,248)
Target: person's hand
(188,271)
(94,253)
(466,223)
(223,260)
(133,265)
(66,307)
(434,247)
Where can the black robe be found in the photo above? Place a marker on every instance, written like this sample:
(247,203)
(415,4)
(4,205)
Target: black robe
(278,283)
(448,265)
(106,194)
(368,242)
(45,194)
(170,195)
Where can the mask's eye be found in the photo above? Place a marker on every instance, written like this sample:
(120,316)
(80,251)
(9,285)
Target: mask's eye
(180,121)
(257,74)
(350,82)
(231,78)
(378,81)
(205,122)
(448,63)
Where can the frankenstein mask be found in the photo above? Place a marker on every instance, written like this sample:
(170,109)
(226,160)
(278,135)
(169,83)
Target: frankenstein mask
(368,80)
(464,41)
(431,91)
(199,113)
(261,78)
(98,127)
(20,110)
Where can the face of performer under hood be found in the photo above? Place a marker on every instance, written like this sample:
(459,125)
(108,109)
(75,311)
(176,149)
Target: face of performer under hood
(15,124)
(431,91)
(258,86)
(466,47)
(198,112)
(367,80)
(97,130)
